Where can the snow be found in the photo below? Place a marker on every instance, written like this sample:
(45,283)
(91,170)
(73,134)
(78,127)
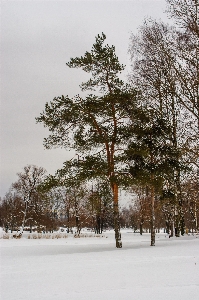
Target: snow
(91,268)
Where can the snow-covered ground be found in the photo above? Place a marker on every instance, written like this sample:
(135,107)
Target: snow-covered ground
(91,268)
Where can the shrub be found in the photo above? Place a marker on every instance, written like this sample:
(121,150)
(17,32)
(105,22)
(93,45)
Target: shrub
(6,236)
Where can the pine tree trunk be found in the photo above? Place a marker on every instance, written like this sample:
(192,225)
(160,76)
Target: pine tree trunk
(116,217)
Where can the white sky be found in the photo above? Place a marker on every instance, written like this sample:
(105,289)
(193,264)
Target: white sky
(37,39)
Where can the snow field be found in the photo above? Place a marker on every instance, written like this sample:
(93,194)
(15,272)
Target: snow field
(92,268)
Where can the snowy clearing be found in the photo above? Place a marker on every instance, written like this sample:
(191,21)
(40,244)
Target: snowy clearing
(91,268)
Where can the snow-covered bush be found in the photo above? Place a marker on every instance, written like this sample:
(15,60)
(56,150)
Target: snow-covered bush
(6,236)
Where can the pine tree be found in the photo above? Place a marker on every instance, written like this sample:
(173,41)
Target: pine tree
(96,125)
(151,158)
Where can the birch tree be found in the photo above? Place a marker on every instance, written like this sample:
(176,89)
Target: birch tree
(165,68)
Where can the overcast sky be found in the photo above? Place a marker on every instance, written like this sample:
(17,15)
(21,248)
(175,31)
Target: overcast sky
(37,39)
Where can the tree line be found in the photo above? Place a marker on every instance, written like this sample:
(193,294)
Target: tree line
(141,135)
(27,206)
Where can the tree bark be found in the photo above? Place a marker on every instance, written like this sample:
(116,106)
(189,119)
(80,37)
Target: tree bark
(116,217)
(152,217)
(141,230)
(68,220)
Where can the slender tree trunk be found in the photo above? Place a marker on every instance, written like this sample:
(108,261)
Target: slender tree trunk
(98,224)
(68,221)
(152,217)
(102,225)
(24,217)
(195,217)
(141,216)
(102,220)
(141,230)
(77,224)
(116,217)
(173,227)
(178,211)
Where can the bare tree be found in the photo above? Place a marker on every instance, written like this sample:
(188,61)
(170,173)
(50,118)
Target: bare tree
(165,68)
(27,187)
(186,15)
(11,210)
